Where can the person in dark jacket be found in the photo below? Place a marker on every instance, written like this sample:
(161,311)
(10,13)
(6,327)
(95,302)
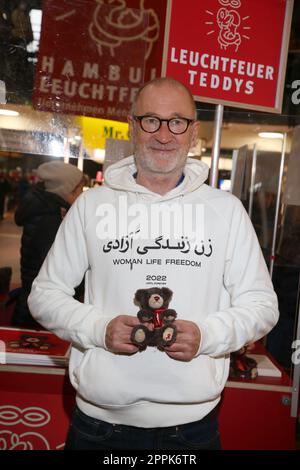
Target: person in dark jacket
(5,188)
(40,214)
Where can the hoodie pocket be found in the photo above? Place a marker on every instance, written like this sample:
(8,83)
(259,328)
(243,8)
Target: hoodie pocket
(221,367)
(150,376)
(77,372)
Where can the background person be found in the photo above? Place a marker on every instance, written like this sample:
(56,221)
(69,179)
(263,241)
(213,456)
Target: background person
(21,25)
(223,295)
(5,188)
(40,214)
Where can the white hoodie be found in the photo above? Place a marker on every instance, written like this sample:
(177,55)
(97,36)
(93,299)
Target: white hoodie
(219,281)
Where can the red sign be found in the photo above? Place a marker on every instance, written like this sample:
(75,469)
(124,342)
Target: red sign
(95,54)
(229,52)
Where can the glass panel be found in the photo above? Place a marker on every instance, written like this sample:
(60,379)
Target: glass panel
(63,66)
(242,175)
(287,262)
(264,198)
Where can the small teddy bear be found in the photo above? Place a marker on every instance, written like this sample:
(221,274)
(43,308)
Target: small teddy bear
(31,342)
(241,365)
(154,304)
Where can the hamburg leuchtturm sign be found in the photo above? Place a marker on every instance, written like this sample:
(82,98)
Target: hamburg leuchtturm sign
(95,54)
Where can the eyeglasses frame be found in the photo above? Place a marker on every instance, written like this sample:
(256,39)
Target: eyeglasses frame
(139,118)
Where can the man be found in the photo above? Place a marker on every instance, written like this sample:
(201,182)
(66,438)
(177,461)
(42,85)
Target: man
(123,236)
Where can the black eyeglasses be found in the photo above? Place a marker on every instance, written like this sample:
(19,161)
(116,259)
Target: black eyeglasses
(151,124)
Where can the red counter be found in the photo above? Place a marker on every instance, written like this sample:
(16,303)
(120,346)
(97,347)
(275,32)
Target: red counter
(35,407)
(36,404)
(255,415)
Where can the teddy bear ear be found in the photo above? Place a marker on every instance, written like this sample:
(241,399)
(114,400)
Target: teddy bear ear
(167,293)
(139,296)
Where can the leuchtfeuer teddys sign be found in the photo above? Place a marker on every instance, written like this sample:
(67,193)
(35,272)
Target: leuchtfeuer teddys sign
(95,54)
(230,52)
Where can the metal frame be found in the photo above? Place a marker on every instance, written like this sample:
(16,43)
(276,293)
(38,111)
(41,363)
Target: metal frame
(214,170)
(252,184)
(278,200)
(296,373)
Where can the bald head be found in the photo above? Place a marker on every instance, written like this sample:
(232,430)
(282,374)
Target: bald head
(161,83)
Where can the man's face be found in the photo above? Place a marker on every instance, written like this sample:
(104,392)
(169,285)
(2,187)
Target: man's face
(163,152)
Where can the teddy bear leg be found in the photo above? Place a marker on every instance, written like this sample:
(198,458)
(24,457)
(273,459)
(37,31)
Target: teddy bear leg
(140,335)
(168,335)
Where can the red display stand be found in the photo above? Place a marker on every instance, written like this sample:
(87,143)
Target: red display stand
(36,405)
(256,415)
(35,409)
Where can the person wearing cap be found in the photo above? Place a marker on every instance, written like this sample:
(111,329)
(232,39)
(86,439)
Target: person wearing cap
(40,214)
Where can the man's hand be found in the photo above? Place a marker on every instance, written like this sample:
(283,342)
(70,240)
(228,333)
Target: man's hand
(187,341)
(118,331)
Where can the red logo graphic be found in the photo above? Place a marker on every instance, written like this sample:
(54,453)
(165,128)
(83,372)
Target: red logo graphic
(118,24)
(229,24)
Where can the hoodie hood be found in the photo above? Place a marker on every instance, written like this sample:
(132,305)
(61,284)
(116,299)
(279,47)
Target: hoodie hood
(119,176)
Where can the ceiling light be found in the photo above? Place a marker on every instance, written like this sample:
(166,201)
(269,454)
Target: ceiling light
(99,154)
(8,112)
(271,135)
(56,148)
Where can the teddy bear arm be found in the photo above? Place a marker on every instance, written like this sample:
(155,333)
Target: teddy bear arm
(169,315)
(145,316)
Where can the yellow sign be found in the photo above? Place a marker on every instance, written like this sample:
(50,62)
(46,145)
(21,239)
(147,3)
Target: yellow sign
(96,131)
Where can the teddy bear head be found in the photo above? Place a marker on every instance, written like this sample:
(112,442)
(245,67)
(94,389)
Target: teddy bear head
(153,298)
